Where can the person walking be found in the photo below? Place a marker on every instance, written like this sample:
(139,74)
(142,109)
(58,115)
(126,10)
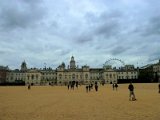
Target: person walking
(68,86)
(29,86)
(131,95)
(116,86)
(87,88)
(159,87)
(96,87)
(113,86)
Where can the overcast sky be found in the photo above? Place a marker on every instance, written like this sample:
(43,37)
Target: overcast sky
(93,31)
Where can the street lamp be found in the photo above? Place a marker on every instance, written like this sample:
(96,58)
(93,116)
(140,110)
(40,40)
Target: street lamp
(45,65)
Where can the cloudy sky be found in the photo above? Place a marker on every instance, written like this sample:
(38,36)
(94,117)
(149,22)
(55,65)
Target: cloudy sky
(93,31)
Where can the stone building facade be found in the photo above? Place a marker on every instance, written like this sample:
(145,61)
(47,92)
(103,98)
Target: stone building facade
(63,74)
(3,74)
(156,71)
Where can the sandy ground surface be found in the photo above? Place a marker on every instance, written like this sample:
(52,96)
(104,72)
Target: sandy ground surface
(58,103)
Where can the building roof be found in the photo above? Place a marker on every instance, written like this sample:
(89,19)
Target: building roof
(146,66)
(4,68)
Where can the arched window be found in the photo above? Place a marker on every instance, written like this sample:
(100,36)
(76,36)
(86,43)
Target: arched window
(60,76)
(110,75)
(28,77)
(86,76)
(36,76)
(32,77)
(73,76)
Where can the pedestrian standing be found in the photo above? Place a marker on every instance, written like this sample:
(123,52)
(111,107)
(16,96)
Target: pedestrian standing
(113,86)
(131,94)
(87,88)
(29,86)
(116,86)
(96,87)
(159,87)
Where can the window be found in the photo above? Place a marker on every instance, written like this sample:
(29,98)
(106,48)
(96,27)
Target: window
(60,76)
(114,75)
(110,75)
(36,76)
(86,76)
(32,77)
(28,77)
(81,76)
(65,76)
(73,76)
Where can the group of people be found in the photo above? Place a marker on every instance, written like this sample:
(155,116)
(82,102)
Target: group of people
(90,86)
(115,85)
(72,84)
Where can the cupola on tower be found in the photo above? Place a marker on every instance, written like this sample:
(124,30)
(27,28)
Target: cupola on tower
(23,66)
(72,63)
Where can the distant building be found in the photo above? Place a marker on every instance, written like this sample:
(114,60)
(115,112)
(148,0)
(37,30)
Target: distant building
(128,75)
(63,75)
(3,74)
(156,70)
(146,74)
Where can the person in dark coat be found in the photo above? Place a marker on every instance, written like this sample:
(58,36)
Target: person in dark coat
(96,87)
(159,87)
(77,84)
(29,86)
(131,95)
(113,86)
(87,88)
(116,86)
(68,86)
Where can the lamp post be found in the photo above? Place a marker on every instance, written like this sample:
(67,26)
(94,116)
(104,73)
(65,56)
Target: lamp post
(45,65)
(127,72)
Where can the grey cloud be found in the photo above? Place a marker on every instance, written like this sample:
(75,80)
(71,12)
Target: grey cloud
(153,58)
(119,50)
(84,38)
(105,25)
(54,24)
(94,19)
(20,14)
(2,52)
(62,52)
(109,24)
(108,29)
(150,27)
(154,54)
(95,32)
(65,52)
(153,27)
